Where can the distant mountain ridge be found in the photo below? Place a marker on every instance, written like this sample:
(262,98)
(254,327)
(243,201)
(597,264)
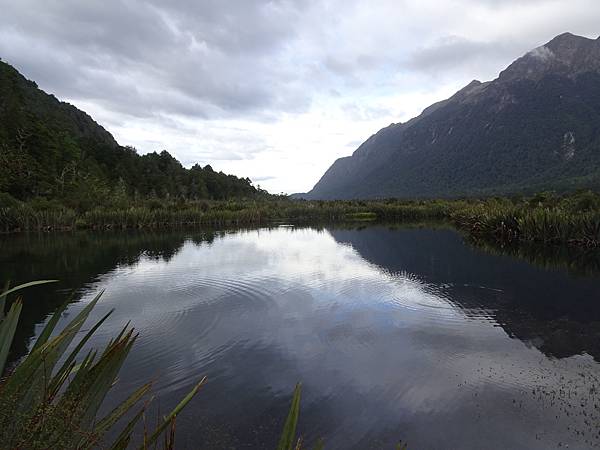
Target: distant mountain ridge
(51,150)
(536,126)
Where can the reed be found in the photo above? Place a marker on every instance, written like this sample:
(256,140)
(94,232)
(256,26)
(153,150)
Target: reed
(24,217)
(289,440)
(541,224)
(572,219)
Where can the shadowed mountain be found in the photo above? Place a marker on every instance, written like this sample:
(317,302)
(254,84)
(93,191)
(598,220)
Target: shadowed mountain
(534,127)
(553,310)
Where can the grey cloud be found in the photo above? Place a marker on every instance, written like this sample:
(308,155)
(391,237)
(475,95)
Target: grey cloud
(508,3)
(344,66)
(453,52)
(354,144)
(204,59)
(239,26)
(213,59)
(360,112)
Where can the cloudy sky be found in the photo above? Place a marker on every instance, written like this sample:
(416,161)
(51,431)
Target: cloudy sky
(274,90)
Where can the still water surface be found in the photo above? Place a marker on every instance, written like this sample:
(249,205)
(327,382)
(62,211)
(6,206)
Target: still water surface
(396,334)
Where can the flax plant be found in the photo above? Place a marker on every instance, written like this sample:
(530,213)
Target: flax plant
(51,398)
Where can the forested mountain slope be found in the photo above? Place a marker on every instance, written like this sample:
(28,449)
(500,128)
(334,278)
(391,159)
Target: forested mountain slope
(52,150)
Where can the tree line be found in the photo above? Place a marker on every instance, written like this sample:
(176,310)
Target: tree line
(52,150)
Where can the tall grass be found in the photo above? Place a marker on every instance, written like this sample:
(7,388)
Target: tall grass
(541,224)
(570,219)
(24,217)
(52,397)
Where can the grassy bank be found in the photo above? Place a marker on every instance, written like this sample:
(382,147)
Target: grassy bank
(547,218)
(46,216)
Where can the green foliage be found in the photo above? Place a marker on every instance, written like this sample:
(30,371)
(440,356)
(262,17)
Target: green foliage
(47,405)
(584,201)
(288,437)
(549,218)
(51,150)
(156,213)
(8,201)
(545,218)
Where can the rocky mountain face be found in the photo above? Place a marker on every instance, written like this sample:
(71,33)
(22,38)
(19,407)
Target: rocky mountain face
(535,127)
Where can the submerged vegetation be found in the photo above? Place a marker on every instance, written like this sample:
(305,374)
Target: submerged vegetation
(572,219)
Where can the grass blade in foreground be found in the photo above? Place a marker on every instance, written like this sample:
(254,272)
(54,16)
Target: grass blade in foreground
(8,326)
(289,430)
(171,417)
(42,408)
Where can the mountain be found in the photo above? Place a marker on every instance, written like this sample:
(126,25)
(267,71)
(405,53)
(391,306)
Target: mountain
(52,150)
(535,127)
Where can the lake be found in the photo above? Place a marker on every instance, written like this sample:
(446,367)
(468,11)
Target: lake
(401,333)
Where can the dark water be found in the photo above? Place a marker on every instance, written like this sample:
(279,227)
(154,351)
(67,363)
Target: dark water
(396,334)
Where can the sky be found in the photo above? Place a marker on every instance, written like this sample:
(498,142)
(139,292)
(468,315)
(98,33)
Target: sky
(271,90)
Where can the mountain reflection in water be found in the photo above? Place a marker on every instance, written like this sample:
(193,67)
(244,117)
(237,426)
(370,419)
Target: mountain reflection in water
(397,334)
